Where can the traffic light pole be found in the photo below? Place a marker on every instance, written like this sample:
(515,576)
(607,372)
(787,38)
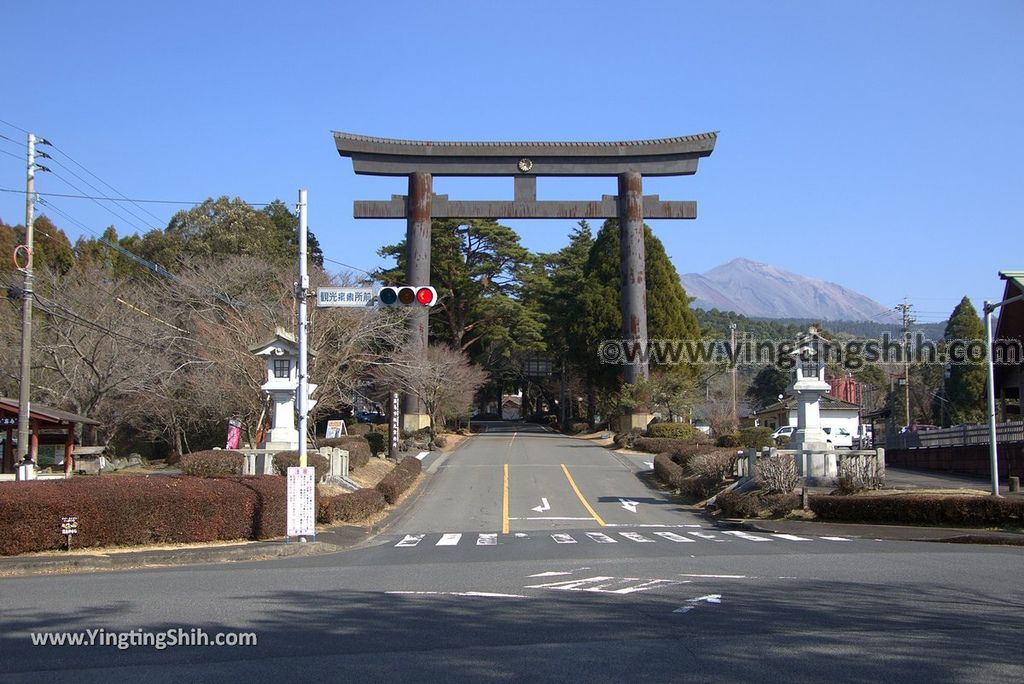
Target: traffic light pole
(301,288)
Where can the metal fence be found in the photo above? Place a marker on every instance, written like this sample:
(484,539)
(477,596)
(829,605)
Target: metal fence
(961,435)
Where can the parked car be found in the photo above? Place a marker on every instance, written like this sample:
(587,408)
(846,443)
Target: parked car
(784,431)
(840,438)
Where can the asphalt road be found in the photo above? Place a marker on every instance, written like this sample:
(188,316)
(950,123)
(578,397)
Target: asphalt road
(584,590)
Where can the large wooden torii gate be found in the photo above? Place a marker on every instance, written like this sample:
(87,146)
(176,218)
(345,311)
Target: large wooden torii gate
(629,161)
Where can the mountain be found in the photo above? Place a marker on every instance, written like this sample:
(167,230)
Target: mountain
(764,291)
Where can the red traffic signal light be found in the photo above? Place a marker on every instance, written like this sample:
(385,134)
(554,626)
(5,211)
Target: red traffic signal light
(407,295)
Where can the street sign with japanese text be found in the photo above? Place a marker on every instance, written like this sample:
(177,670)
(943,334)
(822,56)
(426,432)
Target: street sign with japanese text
(328,297)
(301,508)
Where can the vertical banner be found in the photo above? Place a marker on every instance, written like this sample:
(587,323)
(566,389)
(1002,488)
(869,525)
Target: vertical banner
(301,506)
(234,434)
(395,416)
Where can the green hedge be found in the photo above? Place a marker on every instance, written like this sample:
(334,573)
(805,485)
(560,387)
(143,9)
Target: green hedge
(674,431)
(756,504)
(133,510)
(400,479)
(212,463)
(352,507)
(921,509)
(378,442)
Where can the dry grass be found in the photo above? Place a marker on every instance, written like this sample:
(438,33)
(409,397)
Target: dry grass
(454,439)
(373,472)
(112,550)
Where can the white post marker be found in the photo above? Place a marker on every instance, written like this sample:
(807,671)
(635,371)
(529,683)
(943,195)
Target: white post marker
(301,508)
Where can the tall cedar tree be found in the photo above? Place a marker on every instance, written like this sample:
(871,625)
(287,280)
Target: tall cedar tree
(965,386)
(598,315)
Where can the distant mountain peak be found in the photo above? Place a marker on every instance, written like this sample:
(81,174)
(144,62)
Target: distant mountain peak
(761,290)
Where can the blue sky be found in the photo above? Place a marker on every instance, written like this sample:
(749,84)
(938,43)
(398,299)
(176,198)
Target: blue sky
(874,144)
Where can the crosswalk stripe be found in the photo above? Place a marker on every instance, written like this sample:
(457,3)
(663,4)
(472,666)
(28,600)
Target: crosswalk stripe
(790,537)
(601,538)
(672,536)
(838,539)
(705,535)
(449,539)
(487,540)
(747,536)
(411,540)
(637,537)
(562,538)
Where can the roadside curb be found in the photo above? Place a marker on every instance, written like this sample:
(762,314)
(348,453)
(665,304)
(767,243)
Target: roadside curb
(253,551)
(889,533)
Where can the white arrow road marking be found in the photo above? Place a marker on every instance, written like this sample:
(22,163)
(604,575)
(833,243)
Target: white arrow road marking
(449,539)
(411,540)
(839,539)
(544,506)
(422,455)
(629,505)
(637,537)
(710,599)
(672,536)
(601,538)
(791,537)
(649,464)
(747,536)
(487,539)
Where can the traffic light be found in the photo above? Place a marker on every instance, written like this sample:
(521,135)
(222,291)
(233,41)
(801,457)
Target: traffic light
(407,295)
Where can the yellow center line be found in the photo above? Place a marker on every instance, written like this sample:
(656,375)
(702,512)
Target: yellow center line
(504,504)
(580,495)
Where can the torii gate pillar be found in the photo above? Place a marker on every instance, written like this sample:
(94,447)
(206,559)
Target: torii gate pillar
(417,242)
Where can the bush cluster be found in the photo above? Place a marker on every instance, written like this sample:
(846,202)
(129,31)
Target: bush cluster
(674,431)
(359,429)
(729,439)
(378,442)
(212,463)
(668,470)
(576,428)
(352,507)
(673,470)
(357,447)
(283,460)
(715,465)
(776,474)
(133,510)
(400,479)
(749,438)
(627,439)
(756,504)
(921,509)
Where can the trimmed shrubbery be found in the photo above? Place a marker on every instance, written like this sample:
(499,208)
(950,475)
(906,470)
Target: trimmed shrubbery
(674,431)
(378,442)
(756,437)
(921,509)
(757,504)
(350,507)
(400,479)
(283,460)
(357,447)
(212,463)
(123,511)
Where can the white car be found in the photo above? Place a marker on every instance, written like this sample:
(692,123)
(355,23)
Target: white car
(840,438)
(784,431)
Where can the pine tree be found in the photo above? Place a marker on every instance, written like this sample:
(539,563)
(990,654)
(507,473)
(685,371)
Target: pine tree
(965,386)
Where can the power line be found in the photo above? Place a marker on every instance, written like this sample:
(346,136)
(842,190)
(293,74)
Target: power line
(354,268)
(114,199)
(16,156)
(8,123)
(64,166)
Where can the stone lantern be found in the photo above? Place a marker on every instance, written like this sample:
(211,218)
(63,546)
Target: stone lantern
(282,354)
(808,387)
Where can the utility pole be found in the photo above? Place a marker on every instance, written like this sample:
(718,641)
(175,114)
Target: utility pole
(735,357)
(301,289)
(24,397)
(904,308)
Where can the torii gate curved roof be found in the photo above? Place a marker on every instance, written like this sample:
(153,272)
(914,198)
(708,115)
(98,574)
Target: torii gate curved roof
(393,157)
